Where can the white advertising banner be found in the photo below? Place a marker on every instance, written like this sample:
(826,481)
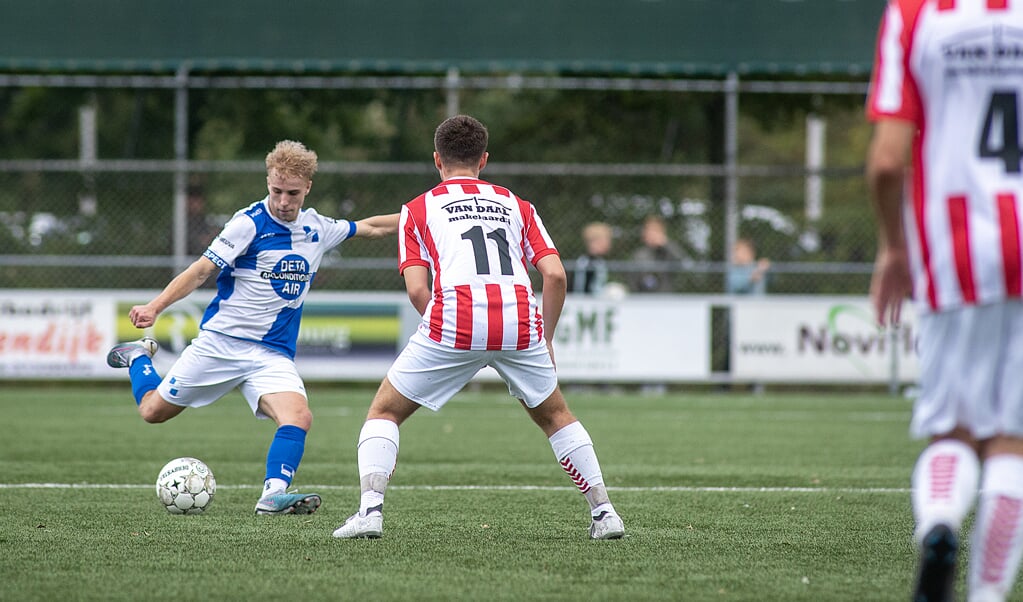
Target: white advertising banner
(355,336)
(640,339)
(47,334)
(819,339)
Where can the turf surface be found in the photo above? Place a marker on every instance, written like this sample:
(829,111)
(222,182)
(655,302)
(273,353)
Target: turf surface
(782,496)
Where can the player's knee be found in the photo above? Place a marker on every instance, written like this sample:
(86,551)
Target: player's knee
(1003,444)
(152,414)
(384,414)
(302,418)
(551,418)
(305,420)
(153,409)
(389,404)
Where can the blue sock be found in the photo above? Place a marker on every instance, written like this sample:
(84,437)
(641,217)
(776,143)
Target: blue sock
(285,453)
(143,377)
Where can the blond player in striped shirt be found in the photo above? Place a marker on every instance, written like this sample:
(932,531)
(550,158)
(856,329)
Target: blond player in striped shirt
(464,248)
(945,98)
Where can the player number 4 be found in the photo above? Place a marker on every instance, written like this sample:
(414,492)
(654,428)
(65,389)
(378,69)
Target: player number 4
(999,136)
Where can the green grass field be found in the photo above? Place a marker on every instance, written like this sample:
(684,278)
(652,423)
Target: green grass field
(783,496)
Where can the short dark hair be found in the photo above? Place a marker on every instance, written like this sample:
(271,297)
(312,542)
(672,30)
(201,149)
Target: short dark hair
(460,140)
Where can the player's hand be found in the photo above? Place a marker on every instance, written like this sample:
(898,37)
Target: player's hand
(890,285)
(142,316)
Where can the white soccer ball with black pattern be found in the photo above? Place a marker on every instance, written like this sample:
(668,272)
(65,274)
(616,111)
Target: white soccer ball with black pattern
(186,486)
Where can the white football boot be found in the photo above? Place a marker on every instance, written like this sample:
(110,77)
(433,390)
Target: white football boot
(359,526)
(607,526)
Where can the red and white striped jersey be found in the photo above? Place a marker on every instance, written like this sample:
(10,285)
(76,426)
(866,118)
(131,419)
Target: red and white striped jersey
(955,69)
(476,238)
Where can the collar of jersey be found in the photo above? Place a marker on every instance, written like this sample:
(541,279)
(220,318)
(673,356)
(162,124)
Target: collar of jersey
(464,178)
(288,225)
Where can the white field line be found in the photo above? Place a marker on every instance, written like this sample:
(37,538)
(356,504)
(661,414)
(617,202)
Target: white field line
(666,489)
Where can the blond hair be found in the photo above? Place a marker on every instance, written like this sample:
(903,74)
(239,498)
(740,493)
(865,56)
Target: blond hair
(291,159)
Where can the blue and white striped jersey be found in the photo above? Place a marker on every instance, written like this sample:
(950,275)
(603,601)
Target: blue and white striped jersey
(266,269)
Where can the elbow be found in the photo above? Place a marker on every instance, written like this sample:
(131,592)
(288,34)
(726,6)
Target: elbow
(885,181)
(885,168)
(884,172)
(557,280)
(419,298)
(553,273)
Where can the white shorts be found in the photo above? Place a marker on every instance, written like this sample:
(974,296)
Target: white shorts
(430,374)
(971,371)
(214,364)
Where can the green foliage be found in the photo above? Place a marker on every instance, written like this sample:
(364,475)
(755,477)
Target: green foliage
(39,123)
(800,496)
(348,125)
(133,209)
(595,126)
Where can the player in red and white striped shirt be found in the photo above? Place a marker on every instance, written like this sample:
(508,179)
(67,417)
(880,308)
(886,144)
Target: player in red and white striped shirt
(946,91)
(476,238)
(465,248)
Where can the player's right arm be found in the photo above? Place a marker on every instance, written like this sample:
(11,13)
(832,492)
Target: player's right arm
(232,241)
(886,167)
(895,106)
(417,284)
(412,262)
(144,316)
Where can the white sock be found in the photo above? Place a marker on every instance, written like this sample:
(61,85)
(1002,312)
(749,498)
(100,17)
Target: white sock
(378,455)
(997,542)
(574,450)
(272,486)
(944,485)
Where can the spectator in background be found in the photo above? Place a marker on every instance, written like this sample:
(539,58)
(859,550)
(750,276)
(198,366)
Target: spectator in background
(746,274)
(656,248)
(200,231)
(590,276)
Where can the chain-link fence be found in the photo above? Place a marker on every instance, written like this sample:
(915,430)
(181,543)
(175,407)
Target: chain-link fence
(115,229)
(90,223)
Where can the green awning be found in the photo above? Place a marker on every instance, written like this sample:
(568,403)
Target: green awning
(624,37)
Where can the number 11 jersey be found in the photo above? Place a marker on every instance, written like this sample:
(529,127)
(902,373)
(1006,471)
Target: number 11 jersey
(476,239)
(954,68)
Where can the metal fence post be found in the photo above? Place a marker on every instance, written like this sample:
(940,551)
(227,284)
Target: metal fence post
(452,84)
(731,162)
(180,248)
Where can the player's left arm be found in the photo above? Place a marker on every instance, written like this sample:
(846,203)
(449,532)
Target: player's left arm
(377,226)
(555,287)
(887,160)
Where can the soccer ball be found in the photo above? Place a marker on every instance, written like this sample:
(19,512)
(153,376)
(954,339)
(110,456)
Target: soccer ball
(185,486)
